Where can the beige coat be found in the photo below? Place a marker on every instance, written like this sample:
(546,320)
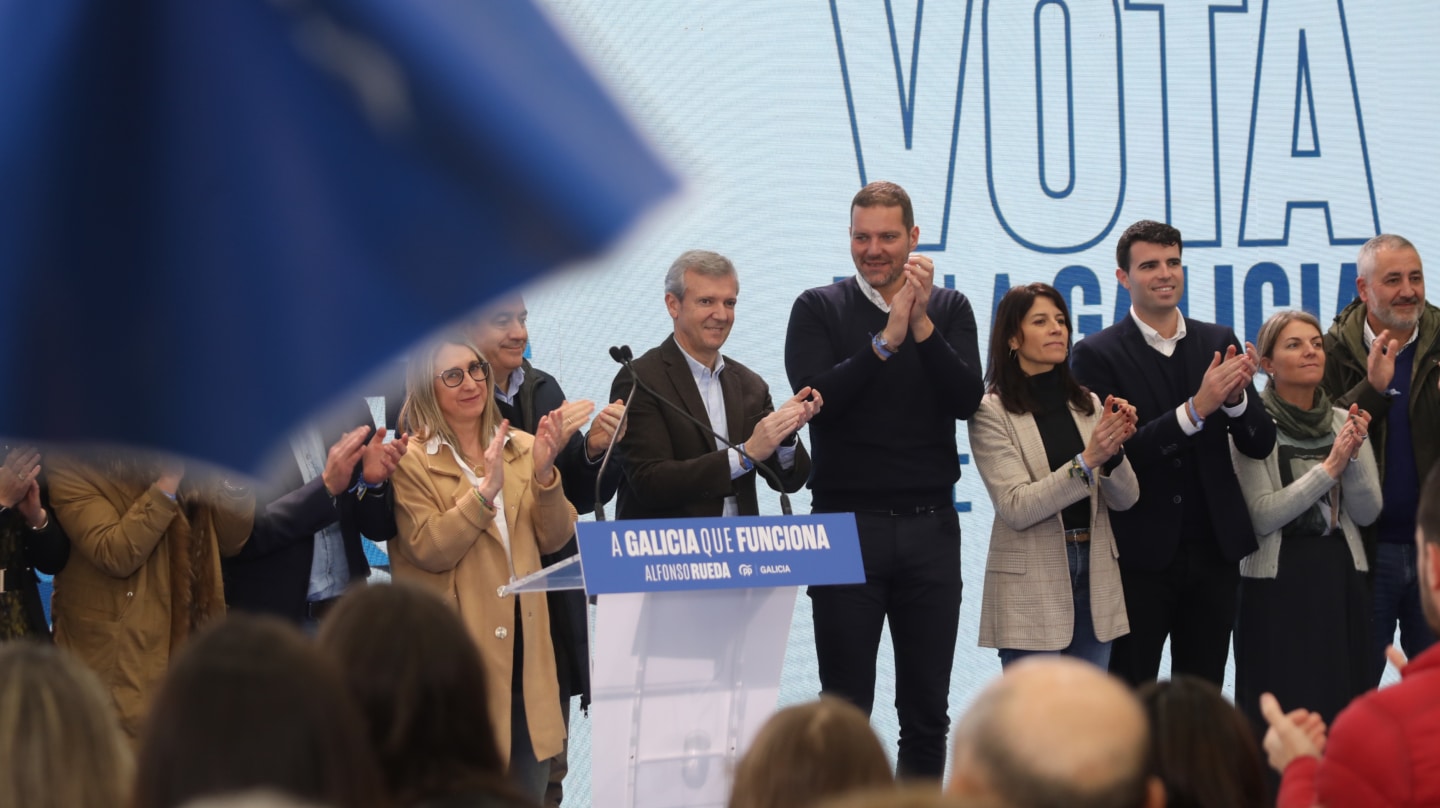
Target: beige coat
(118,605)
(1027,603)
(448,542)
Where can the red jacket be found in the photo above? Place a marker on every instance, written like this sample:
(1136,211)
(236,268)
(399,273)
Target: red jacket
(1384,749)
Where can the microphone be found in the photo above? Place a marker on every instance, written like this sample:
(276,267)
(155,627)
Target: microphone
(623,355)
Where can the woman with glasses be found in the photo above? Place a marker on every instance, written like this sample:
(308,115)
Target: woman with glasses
(476,506)
(1051,456)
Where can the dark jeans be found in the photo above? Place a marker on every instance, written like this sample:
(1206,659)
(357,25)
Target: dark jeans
(912,578)
(1083,642)
(1397,600)
(1192,601)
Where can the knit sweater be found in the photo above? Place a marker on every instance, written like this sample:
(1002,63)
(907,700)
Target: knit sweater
(1273,505)
(886,435)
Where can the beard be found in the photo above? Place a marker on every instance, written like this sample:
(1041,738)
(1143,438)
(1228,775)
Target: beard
(1392,320)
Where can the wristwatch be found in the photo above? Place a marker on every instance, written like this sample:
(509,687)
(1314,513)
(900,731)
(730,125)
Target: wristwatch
(882,345)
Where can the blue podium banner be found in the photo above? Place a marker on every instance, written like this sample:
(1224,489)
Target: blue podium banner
(666,555)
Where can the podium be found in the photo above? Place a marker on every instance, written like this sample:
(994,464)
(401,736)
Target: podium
(691,623)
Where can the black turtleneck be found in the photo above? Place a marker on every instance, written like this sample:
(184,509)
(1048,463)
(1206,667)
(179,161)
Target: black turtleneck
(1060,435)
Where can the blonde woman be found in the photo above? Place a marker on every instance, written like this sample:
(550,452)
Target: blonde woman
(60,743)
(476,506)
(1302,628)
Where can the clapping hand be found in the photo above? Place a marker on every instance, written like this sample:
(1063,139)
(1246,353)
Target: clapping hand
(605,425)
(341,460)
(1117,424)
(381,458)
(1380,364)
(20,484)
(18,475)
(550,434)
(1346,447)
(1225,380)
(493,461)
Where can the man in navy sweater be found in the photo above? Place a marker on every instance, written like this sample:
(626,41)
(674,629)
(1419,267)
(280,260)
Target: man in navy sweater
(899,361)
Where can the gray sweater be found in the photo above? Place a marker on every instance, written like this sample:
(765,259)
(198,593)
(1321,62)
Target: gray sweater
(1273,505)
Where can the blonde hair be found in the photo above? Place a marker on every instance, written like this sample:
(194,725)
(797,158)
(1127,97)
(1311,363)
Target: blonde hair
(808,752)
(60,738)
(421,415)
(1270,331)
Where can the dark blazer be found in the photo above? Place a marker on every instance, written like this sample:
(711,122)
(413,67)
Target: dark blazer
(1117,361)
(671,467)
(539,395)
(272,573)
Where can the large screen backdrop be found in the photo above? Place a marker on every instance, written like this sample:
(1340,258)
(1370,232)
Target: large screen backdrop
(1277,136)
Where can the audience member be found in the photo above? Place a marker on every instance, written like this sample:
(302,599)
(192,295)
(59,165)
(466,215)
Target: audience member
(1052,458)
(252,704)
(30,540)
(1302,630)
(1202,748)
(258,798)
(808,752)
(907,796)
(899,357)
(60,741)
(1180,545)
(1055,732)
(1381,353)
(305,549)
(476,506)
(144,571)
(674,469)
(1382,749)
(417,679)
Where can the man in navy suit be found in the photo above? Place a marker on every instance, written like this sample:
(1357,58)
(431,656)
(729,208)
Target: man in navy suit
(305,549)
(1190,383)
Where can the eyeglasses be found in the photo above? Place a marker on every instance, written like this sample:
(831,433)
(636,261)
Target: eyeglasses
(479,371)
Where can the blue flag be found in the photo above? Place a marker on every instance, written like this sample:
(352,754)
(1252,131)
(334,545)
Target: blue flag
(219,214)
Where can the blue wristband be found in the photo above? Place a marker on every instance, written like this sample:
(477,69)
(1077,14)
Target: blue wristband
(1194,413)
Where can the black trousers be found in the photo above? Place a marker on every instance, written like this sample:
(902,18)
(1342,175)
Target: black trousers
(1192,601)
(912,578)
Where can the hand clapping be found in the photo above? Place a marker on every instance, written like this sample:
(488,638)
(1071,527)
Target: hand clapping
(1117,423)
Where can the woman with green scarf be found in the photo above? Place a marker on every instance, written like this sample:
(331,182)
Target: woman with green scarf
(1302,628)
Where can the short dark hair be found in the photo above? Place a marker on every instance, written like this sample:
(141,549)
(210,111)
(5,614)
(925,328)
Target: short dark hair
(252,704)
(1427,518)
(887,195)
(416,675)
(1201,747)
(1148,231)
(1003,375)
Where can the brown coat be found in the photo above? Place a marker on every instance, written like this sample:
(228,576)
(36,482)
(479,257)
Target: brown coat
(121,603)
(448,543)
